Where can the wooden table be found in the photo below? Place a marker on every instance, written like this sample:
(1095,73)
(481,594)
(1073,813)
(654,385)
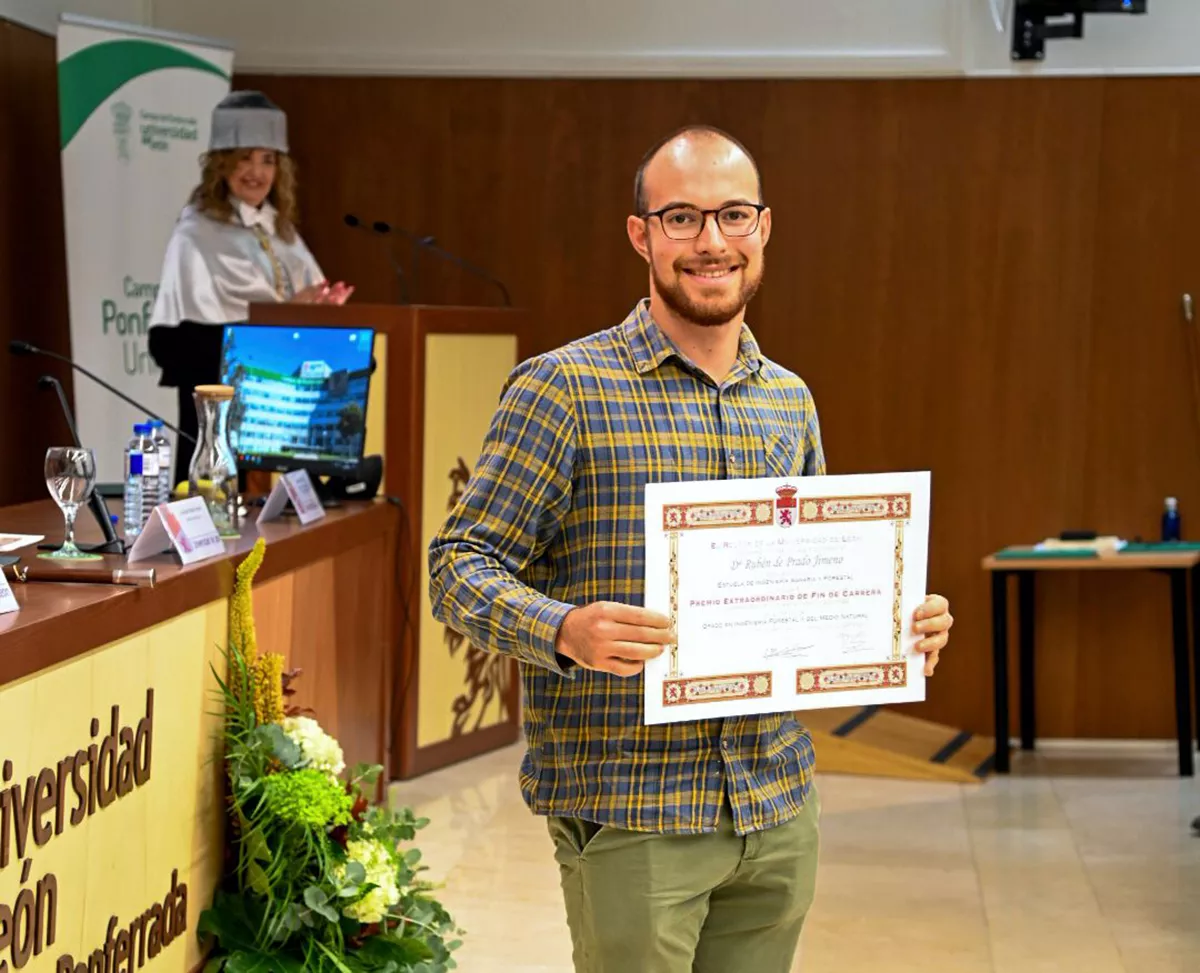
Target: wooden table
(1181,567)
(324,598)
(87,670)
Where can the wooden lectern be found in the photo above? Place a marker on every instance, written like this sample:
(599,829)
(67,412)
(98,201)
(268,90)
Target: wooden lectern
(437,382)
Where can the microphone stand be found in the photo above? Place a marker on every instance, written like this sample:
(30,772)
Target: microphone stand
(112,543)
(430,243)
(25,348)
(354,222)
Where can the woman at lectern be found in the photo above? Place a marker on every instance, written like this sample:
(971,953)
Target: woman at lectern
(235,243)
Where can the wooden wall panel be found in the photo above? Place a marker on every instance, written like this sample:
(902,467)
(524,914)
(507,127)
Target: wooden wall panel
(332,620)
(1143,442)
(978,277)
(33,271)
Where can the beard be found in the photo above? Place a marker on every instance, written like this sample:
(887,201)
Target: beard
(708,312)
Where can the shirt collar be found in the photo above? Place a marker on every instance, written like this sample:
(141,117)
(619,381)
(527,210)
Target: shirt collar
(651,346)
(264,216)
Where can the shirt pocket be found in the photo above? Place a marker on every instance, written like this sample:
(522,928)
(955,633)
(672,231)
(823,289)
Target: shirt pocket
(780,456)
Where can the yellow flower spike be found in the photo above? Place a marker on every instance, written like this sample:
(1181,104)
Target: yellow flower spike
(241,606)
(268,688)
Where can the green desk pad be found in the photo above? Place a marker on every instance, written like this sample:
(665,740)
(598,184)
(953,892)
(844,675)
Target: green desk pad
(1140,547)
(1062,552)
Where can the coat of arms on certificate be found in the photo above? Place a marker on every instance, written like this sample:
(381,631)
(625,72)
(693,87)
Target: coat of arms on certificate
(785,594)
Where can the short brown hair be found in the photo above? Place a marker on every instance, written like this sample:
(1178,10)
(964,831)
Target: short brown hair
(639,180)
(211,197)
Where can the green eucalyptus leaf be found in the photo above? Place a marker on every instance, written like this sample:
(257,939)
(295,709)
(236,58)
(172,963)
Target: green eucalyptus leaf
(281,746)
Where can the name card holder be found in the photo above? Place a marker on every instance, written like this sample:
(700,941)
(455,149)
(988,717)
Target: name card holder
(296,486)
(8,601)
(185,525)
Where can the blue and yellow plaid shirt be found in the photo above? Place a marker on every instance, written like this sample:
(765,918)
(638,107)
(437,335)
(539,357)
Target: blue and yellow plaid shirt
(553,518)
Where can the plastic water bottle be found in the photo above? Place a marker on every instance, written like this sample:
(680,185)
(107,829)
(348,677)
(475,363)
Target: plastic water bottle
(150,479)
(141,480)
(134,516)
(166,459)
(1170,520)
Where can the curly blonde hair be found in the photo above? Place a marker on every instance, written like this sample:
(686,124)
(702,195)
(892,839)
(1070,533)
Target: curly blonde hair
(212,196)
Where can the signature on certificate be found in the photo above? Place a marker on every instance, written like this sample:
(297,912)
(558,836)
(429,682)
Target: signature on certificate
(855,640)
(785,651)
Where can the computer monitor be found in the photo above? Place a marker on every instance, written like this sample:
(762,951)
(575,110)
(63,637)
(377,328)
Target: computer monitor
(300,395)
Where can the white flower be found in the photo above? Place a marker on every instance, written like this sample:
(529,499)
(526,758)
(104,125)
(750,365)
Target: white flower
(381,872)
(319,749)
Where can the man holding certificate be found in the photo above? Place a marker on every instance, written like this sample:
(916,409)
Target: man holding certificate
(650,532)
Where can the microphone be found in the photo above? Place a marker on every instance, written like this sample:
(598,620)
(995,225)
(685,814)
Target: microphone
(112,543)
(430,243)
(25,348)
(48,382)
(355,223)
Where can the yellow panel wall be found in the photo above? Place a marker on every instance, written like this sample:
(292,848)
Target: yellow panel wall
(117,862)
(464,375)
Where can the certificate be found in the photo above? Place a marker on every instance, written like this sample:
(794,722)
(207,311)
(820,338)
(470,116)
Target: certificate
(786,594)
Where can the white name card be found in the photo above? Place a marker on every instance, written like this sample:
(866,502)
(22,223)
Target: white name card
(296,486)
(8,601)
(185,525)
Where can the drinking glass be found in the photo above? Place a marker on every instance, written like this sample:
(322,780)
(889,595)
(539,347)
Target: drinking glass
(70,477)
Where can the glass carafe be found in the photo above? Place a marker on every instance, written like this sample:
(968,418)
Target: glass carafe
(213,470)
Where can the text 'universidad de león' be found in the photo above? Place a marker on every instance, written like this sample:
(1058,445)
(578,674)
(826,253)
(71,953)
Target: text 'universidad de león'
(39,808)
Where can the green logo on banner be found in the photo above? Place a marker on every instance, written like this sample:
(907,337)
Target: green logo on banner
(88,77)
(157,130)
(121,114)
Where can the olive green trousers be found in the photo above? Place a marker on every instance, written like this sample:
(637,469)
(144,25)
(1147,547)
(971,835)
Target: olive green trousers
(708,903)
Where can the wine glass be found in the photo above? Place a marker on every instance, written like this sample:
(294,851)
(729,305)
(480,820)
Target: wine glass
(70,477)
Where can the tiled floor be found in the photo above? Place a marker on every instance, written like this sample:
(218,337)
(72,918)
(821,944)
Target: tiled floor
(1083,861)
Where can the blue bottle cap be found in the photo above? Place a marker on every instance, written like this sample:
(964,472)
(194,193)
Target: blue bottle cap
(140,429)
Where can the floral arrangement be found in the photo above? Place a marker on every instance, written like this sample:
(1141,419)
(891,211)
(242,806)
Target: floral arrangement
(316,879)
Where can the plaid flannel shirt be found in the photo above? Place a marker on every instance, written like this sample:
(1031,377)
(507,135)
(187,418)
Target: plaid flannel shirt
(552,518)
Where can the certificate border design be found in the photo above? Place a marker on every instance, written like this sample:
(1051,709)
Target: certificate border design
(897,590)
(866,675)
(785,510)
(717,514)
(673,564)
(817,510)
(709,689)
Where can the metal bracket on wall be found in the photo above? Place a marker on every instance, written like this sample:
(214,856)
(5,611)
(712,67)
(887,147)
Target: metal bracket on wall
(1031,30)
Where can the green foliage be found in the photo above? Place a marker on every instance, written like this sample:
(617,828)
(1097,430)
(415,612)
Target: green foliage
(306,797)
(311,858)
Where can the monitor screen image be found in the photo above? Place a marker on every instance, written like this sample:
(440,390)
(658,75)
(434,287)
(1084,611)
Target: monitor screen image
(300,395)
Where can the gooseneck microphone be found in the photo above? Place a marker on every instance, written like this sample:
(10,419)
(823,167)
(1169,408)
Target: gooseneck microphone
(112,543)
(25,348)
(429,243)
(50,382)
(355,223)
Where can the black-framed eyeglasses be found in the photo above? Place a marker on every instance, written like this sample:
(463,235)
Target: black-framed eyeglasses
(687,222)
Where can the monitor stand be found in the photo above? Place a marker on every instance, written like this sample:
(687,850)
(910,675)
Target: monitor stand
(325,494)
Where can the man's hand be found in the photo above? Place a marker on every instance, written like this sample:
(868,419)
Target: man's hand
(933,620)
(610,637)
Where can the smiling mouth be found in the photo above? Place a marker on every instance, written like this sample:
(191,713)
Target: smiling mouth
(711,274)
